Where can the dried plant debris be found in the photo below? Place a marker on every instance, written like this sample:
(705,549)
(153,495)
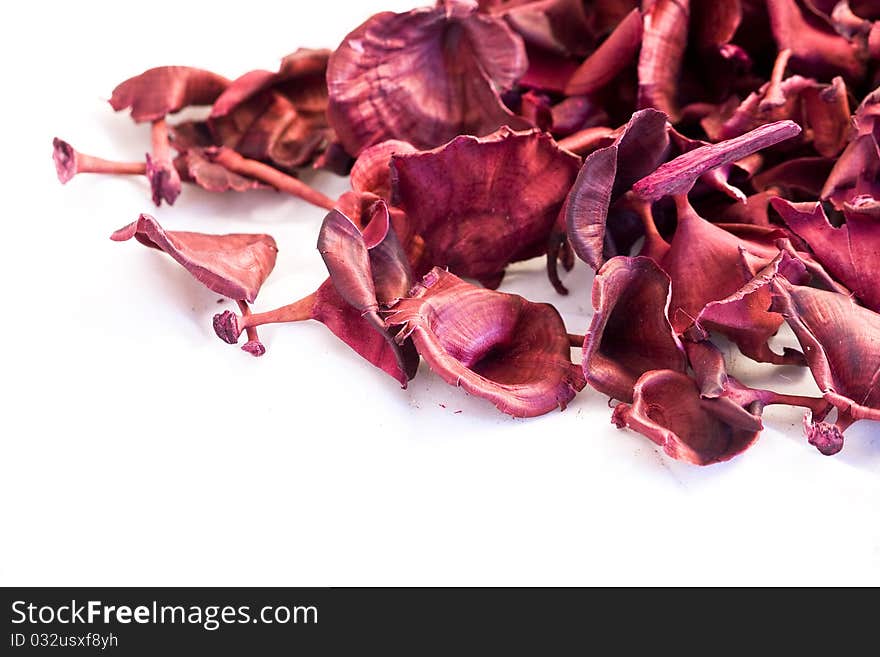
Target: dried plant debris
(716,163)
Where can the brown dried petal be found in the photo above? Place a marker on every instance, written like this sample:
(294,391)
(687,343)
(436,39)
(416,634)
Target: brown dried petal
(165,90)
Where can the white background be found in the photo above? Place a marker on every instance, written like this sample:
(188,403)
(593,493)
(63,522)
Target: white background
(138,449)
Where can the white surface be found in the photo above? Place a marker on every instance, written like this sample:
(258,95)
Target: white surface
(139,449)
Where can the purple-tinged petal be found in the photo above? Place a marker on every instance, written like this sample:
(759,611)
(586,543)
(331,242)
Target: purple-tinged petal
(167,89)
(841,341)
(801,176)
(606,174)
(850,252)
(856,172)
(164,180)
(816,49)
(630,333)
(669,410)
(609,59)
(424,76)
(232,265)
(372,169)
(501,347)
(460,202)
(665,32)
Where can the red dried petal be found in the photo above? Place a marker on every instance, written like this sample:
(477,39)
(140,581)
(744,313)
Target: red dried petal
(424,76)
(501,347)
(630,333)
(459,199)
(665,33)
(232,265)
(165,90)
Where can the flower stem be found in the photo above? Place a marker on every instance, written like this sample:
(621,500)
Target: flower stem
(271,176)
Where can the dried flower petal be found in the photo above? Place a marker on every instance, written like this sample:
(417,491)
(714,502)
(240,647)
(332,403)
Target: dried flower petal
(606,174)
(424,76)
(609,59)
(232,265)
(460,202)
(663,43)
(630,333)
(850,252)
(501,347)
(167,89)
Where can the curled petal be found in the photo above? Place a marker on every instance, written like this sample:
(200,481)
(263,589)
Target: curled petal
(630,333)
(232,265)
(816,48)
(606,174)
(460,202)
(164,180)
(497,346)
(663,44)
(372,169)
(299,72)
(609,59)
(165,90)
(668,409)
(841,341)
(367,268)
(849,252)
(424,76)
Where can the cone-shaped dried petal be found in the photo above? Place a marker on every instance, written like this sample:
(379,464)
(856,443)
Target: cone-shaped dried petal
(501,347)
(424,76)
(367,267)
(630,333)
(841,341)
(680,174)
(606,174)
(365,334)
(232,265)
(665,33)
(707,263)
(165,90)
(482,203)
(669,410)
(850,252)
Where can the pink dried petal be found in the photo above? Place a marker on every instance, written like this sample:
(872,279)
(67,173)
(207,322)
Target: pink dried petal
(609,59)
(630,333)
(668,409)
(372,169)
(232,265)
(665,32)
(424,76)
(167,89)
(300,78)
(556,26)
(497,346)
(816,49)
(856,172)
(164,180)
(841,341)
(798,177)
(606,174)
(850,252)
(460,202)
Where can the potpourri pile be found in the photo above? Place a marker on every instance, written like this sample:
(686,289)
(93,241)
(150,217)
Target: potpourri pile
(715,162)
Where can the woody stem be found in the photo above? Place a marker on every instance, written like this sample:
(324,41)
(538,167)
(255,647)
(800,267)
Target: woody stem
(264,173)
